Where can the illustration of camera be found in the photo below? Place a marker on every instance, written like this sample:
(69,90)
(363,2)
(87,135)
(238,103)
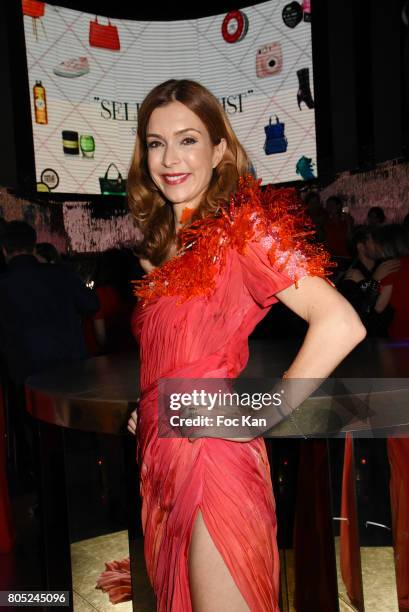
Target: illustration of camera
(269,60)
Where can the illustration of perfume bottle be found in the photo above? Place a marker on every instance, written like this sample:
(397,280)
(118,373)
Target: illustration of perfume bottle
(40,104)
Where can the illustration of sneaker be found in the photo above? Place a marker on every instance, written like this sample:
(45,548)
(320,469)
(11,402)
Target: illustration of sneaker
(71,68)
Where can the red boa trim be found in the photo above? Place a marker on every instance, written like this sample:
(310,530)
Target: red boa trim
(273,215)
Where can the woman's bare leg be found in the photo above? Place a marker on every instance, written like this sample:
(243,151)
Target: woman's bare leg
(211,584)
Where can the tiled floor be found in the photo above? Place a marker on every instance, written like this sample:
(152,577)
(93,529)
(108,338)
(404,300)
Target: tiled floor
(88,561)
(378,576)
(89,556)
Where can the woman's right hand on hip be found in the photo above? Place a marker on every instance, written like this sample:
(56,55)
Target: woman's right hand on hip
(133,420)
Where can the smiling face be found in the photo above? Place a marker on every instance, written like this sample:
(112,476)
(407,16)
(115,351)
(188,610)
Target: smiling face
(181,156)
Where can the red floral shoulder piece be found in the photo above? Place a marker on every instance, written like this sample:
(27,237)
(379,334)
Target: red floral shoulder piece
(272,216)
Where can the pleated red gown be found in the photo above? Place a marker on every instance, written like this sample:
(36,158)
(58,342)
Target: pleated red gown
(194,321)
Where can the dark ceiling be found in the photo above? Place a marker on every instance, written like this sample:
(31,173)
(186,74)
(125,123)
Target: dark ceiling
(154,11)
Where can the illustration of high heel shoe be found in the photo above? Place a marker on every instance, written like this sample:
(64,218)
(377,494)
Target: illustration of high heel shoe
(304,90)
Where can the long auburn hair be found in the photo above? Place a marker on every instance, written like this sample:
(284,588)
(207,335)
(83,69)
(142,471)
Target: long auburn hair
(153,213)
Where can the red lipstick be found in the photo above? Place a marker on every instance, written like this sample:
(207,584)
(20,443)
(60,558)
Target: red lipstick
(175,179)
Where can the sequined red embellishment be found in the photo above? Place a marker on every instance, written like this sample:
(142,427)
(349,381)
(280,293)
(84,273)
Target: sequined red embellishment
(274,217)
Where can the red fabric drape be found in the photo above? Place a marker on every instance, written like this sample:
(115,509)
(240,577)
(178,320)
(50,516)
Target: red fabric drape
(350,558)
(314,554)
(398,452)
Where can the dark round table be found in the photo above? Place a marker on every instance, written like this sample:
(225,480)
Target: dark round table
(99,394)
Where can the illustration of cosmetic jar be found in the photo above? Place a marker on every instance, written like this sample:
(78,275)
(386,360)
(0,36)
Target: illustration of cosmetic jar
(70,142)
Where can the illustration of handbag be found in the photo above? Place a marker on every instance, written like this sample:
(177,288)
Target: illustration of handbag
(112,186)
(34,9)
(104,35)
(276,142)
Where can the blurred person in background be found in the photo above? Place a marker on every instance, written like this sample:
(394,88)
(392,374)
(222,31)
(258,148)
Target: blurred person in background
(317,213)
(376,216)
(40,308)
(337,228)
(40,327)
(109,329)
(390,241)
(360,284)
(3,224)
(47,253)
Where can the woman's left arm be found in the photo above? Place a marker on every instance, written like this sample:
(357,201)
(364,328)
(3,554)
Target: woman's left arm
(334,330)
(334,327)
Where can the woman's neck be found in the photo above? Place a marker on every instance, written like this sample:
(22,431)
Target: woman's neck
(182,214)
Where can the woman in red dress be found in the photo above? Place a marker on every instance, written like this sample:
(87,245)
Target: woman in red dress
(208,509)
(390,242)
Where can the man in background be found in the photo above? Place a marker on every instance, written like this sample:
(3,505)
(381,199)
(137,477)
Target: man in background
(3,224)
(40,308)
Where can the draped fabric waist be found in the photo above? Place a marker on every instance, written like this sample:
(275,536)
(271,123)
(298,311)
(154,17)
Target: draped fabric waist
(214,365)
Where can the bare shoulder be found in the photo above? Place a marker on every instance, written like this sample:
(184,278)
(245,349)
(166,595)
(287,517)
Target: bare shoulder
(146,265)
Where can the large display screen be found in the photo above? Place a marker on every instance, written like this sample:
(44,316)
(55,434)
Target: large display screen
(89,74)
